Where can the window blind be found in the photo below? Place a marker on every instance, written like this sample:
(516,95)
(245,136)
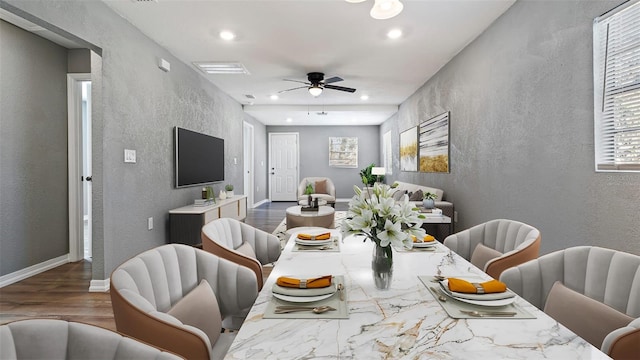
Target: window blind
(616,41)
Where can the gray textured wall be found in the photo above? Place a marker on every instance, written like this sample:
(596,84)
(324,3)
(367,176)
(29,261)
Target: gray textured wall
(33,150)
(314,153)
(138,107)
(521,102)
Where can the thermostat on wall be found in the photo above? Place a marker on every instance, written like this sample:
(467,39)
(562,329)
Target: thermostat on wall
(129,156)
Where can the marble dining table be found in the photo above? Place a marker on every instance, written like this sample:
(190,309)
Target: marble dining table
(403,322)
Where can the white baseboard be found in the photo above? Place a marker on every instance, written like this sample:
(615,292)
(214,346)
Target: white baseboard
(16,276)
(261,202)
(100,285)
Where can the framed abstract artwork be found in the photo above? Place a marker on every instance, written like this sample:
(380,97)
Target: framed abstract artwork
(343,152)
(409,149)
(434,144)
(387,154)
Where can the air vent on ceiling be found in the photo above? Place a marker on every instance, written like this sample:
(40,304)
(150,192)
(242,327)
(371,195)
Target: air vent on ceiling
(249,96)
(233,68)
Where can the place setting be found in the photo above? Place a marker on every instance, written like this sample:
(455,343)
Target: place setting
(469,297)
(316,240)
(320,297)
(426,244)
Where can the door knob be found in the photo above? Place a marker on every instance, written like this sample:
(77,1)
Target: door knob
(88,178)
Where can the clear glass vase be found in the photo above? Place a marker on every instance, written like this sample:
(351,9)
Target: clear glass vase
(382,266)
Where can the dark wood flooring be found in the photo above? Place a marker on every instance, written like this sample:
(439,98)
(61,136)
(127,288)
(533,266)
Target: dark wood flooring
(62,292)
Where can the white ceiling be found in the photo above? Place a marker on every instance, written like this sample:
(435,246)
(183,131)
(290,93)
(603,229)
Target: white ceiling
(278,40)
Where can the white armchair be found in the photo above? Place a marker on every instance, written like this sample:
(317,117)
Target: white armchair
(323,189)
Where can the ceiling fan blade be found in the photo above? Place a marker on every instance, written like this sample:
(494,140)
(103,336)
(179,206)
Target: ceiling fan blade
(298,81)
(341,88)
(333,79)
(296,88)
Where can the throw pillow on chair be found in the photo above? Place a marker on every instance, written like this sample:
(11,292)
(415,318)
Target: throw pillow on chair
(590,319)
(199,308)
(321,187)
(482,255)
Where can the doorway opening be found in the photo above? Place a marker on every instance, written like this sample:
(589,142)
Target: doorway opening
(79,160)
(247,134)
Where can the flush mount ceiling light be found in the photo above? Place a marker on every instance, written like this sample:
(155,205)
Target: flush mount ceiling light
(386,9)
(383,9)
(315,90)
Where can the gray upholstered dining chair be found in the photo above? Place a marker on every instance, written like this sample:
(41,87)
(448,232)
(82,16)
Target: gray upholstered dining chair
(593,291)
(176,296)
(59,339)
(496,245)
(241,243)
(244,245)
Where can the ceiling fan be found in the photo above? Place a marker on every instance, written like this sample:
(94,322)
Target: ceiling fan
(317,83)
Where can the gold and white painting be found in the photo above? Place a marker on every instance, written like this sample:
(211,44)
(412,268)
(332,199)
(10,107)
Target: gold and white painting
(409,149)
(434,144)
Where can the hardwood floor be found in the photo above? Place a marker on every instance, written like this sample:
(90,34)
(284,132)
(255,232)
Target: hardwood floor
(62,292)
(59,293)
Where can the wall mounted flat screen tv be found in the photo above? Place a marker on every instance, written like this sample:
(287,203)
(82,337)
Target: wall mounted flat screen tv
(199,158)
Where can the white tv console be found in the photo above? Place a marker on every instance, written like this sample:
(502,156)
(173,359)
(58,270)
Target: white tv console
(185,223)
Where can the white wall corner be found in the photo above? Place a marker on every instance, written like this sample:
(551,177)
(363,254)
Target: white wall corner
(32,270)
(100,285)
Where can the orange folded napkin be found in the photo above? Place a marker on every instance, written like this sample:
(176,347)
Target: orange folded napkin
(488,287)
(318,282)
(325,236)
(427,238)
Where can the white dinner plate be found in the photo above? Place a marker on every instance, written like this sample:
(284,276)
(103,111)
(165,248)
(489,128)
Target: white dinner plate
(490,303)
(302,299)
(313,242)
(424,244)
(491,299)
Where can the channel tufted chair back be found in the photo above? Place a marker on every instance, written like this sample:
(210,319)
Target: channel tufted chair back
(59,339)
(583,284)
(496,245)
(147,291)
(241,243)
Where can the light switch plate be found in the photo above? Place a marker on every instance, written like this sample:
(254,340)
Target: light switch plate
(129,156)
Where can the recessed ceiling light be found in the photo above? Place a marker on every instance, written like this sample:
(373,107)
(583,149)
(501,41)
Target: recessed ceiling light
(364,97)
(227,35)
(274,97)
(394,34)
(289,119)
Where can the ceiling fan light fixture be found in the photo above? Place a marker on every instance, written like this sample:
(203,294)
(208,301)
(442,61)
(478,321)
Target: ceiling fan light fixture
(315,90)
(386,9)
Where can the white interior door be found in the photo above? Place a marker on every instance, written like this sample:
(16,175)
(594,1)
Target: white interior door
(79,165)
(283,166)
(248,163)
